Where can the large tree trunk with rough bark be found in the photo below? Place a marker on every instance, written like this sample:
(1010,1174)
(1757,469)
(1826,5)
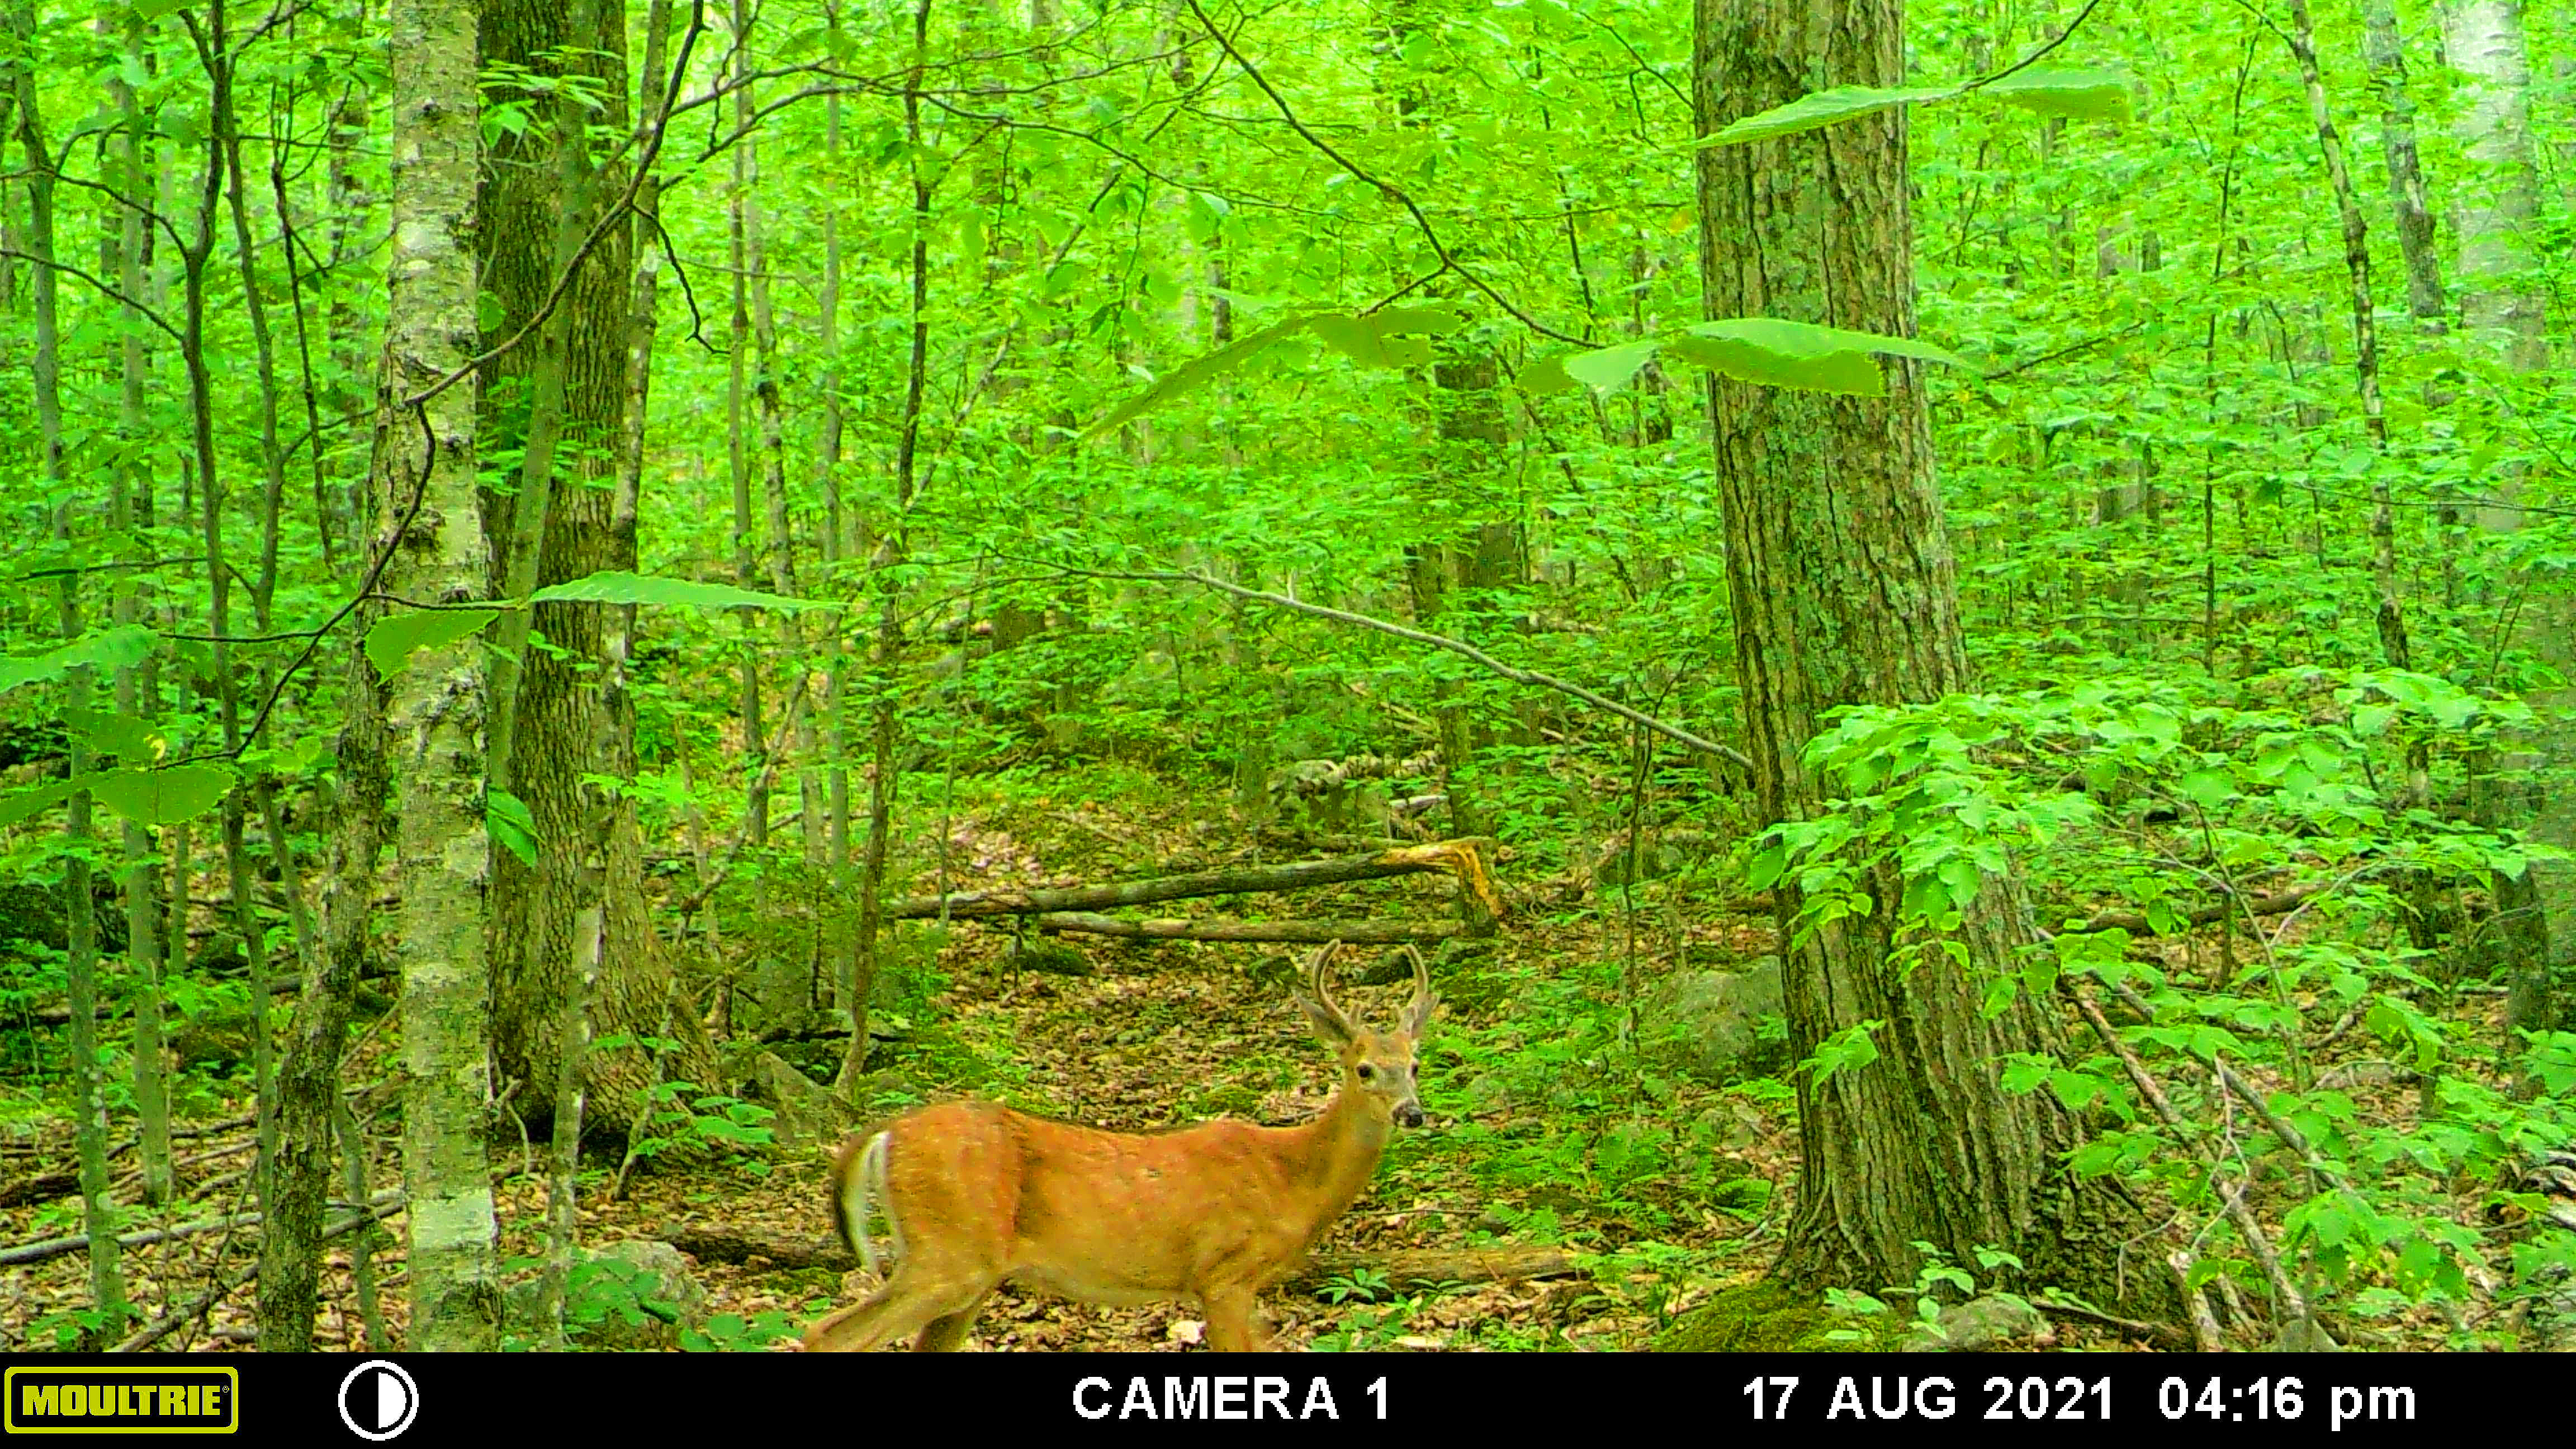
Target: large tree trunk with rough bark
(563,723)
(1843,590)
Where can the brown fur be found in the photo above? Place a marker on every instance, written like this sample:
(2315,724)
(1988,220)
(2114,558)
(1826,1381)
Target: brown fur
(983,1194)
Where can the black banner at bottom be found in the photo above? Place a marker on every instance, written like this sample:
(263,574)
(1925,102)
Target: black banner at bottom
(429,1399)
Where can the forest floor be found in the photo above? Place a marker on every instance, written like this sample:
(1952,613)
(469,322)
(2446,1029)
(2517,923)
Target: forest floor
(1546,1129)
(1549,1128)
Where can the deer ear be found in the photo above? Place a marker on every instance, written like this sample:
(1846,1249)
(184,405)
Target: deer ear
(1418,1015)
(1328,1022)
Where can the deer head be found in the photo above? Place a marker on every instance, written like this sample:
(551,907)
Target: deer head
(1378,1068)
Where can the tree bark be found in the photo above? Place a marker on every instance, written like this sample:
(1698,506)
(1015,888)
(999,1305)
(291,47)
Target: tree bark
(2502,296)
(425,460)
(89,1102)
(2393,645)
(737,356)
(133,692)
(1840,571)
(2386,54)
(886,655)
(569,715)
(2499,201)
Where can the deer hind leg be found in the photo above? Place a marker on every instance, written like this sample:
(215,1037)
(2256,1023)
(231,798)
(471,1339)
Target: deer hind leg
(947,1333)
(917,1300)
(1234,1321)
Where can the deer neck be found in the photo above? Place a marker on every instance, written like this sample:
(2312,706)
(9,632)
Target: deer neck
(1343,1147)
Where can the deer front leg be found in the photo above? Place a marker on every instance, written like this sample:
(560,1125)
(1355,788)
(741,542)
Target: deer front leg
(1234,1321)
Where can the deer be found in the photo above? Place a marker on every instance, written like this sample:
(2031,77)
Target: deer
(976,1194)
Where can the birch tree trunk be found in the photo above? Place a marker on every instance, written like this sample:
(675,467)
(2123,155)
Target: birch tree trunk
(2497,202)
(2502,299)
(2386,54)
(424,463)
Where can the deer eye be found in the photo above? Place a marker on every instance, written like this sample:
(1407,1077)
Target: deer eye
(1367,1072)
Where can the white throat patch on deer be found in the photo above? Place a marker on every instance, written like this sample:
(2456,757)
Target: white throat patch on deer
(975,1194)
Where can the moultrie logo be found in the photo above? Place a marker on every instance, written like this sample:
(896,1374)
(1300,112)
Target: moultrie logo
(91,1399)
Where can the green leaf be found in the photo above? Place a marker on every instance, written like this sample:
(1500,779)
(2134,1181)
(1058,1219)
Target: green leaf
(1195,374)
(17,805)
(1605,370)
(1775,353)
(1206,217)
(512,824)
(1373,339)
(391,639)
(1823,108)
(2209,788)
(107,649)
(2080,93)
(2039,974)
(1437,321)
(131,741)
(1544,375)
(1365,342)
(1766,867)
(622,588)
(164,797)
(1849,1048)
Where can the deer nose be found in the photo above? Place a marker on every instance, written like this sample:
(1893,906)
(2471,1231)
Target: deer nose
(1409,1114)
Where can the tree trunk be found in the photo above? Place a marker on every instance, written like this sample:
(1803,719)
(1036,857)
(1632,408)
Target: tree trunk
(1843,591)
(133,696)
(810,825)
(2499,288)
(2387,57)
(1469,432)
(542,199)
(886,656)
(737,357)
(89,1102)
(2393,646)
(425,460)
(2502,296)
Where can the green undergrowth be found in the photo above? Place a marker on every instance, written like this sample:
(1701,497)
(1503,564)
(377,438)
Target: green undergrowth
(1756,1317)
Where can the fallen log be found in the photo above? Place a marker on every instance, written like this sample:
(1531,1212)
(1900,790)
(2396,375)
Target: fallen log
(384,1205)
(1456,857)
(1410,1268)
(2271,905)
(1416,1269)
(1311,932)
(44,1185)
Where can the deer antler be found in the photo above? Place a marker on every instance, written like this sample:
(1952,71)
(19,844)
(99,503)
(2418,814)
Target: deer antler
(1322,996)
(1418,1011)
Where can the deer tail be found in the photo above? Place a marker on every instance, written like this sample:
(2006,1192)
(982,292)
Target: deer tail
(858,1175)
